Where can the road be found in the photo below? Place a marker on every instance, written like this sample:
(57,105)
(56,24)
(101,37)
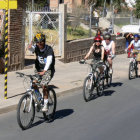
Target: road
(114,116)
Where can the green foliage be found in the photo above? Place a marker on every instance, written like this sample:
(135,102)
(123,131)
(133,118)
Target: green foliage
(117,3)
(77,33)
(137,11)
(41,2)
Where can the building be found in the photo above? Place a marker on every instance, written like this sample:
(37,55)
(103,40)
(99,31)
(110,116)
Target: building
(54,4)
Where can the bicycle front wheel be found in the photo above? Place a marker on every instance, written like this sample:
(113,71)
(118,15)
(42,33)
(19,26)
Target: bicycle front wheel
(88,88)
(52,102)
(25,112)
(132,71)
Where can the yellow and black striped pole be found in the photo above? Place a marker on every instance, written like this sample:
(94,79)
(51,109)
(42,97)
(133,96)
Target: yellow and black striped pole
(6,52)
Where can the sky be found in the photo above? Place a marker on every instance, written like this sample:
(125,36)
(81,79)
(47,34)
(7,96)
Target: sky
(130,2)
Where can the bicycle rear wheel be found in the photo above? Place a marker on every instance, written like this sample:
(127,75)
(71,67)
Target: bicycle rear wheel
(88,88)
(25,112)
(132,71)
(109,80)
(136,69)
(52,102)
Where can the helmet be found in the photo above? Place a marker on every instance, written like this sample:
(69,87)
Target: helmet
(97,39)
(39,37)
(136,36)
(107,36)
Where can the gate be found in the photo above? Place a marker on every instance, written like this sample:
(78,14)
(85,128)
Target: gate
(48,23)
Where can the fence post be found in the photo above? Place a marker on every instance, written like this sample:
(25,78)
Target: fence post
(60,34)
(63,10)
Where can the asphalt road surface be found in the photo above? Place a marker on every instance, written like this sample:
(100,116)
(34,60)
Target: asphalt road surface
(114,116)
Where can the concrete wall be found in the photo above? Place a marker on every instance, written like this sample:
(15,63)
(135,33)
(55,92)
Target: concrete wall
(77,49)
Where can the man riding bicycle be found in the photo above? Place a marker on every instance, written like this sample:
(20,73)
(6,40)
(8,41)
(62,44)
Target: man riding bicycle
(98,51)
(109,47)
(44,64)
(136,45)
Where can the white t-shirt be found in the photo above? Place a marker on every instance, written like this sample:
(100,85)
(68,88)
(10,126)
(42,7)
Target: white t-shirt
(108,46)
(136,44)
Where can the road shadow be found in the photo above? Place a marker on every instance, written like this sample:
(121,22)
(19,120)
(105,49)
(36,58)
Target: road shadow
(108,92)
(52,86)
(116,84)
(60,114)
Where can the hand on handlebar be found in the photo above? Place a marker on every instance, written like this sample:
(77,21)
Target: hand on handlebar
(41,73)
(82,61)
(101,61)
(113,56)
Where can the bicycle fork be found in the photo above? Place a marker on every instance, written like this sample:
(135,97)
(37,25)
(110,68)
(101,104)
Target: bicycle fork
(91,79)
(30,101)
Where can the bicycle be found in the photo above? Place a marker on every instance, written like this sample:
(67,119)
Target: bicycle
(92,81)
(32,101)
(133,66)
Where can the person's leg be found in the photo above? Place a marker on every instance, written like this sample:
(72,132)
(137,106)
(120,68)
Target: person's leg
(110,64)
(45,81)
(139,68)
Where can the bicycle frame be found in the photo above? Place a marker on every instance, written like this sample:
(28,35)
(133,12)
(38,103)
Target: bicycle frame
(30,91)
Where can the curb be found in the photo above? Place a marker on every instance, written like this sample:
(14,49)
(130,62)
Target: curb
(14,107)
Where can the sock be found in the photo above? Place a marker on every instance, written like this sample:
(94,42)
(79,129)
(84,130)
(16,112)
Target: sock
(45,101)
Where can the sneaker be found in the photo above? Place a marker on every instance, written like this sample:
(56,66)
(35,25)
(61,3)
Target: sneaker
(110,71)
(45,108)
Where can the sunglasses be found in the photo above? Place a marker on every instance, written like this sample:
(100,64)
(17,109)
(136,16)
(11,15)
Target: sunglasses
(97,41)
(40,42)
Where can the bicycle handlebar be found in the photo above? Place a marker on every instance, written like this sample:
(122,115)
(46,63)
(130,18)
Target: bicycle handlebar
(84,62)
(30,76)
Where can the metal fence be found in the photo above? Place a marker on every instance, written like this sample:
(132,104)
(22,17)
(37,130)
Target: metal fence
(48,23)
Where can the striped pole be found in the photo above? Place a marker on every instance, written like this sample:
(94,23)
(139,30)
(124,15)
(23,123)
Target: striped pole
(6,52)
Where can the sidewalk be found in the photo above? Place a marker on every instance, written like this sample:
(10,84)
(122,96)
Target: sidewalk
(67,77)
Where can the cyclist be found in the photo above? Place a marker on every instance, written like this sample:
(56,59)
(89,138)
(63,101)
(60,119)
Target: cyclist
(109,47)
(136,47)
(44,64)
(98,52)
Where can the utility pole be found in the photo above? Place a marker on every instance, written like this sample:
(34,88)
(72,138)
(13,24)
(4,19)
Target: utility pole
(104,10)
(90,23)
(32,5)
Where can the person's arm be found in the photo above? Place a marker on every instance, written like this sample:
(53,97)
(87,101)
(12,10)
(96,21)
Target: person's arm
(90,51)
(103,52)
(113,48)
(47,65)
(130,45)
(31,47)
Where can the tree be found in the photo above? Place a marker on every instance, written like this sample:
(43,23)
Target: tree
(137,11)
(117,3)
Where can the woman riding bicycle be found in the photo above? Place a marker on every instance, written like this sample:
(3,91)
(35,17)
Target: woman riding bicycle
(109,47)
(136,44)
(98,51)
